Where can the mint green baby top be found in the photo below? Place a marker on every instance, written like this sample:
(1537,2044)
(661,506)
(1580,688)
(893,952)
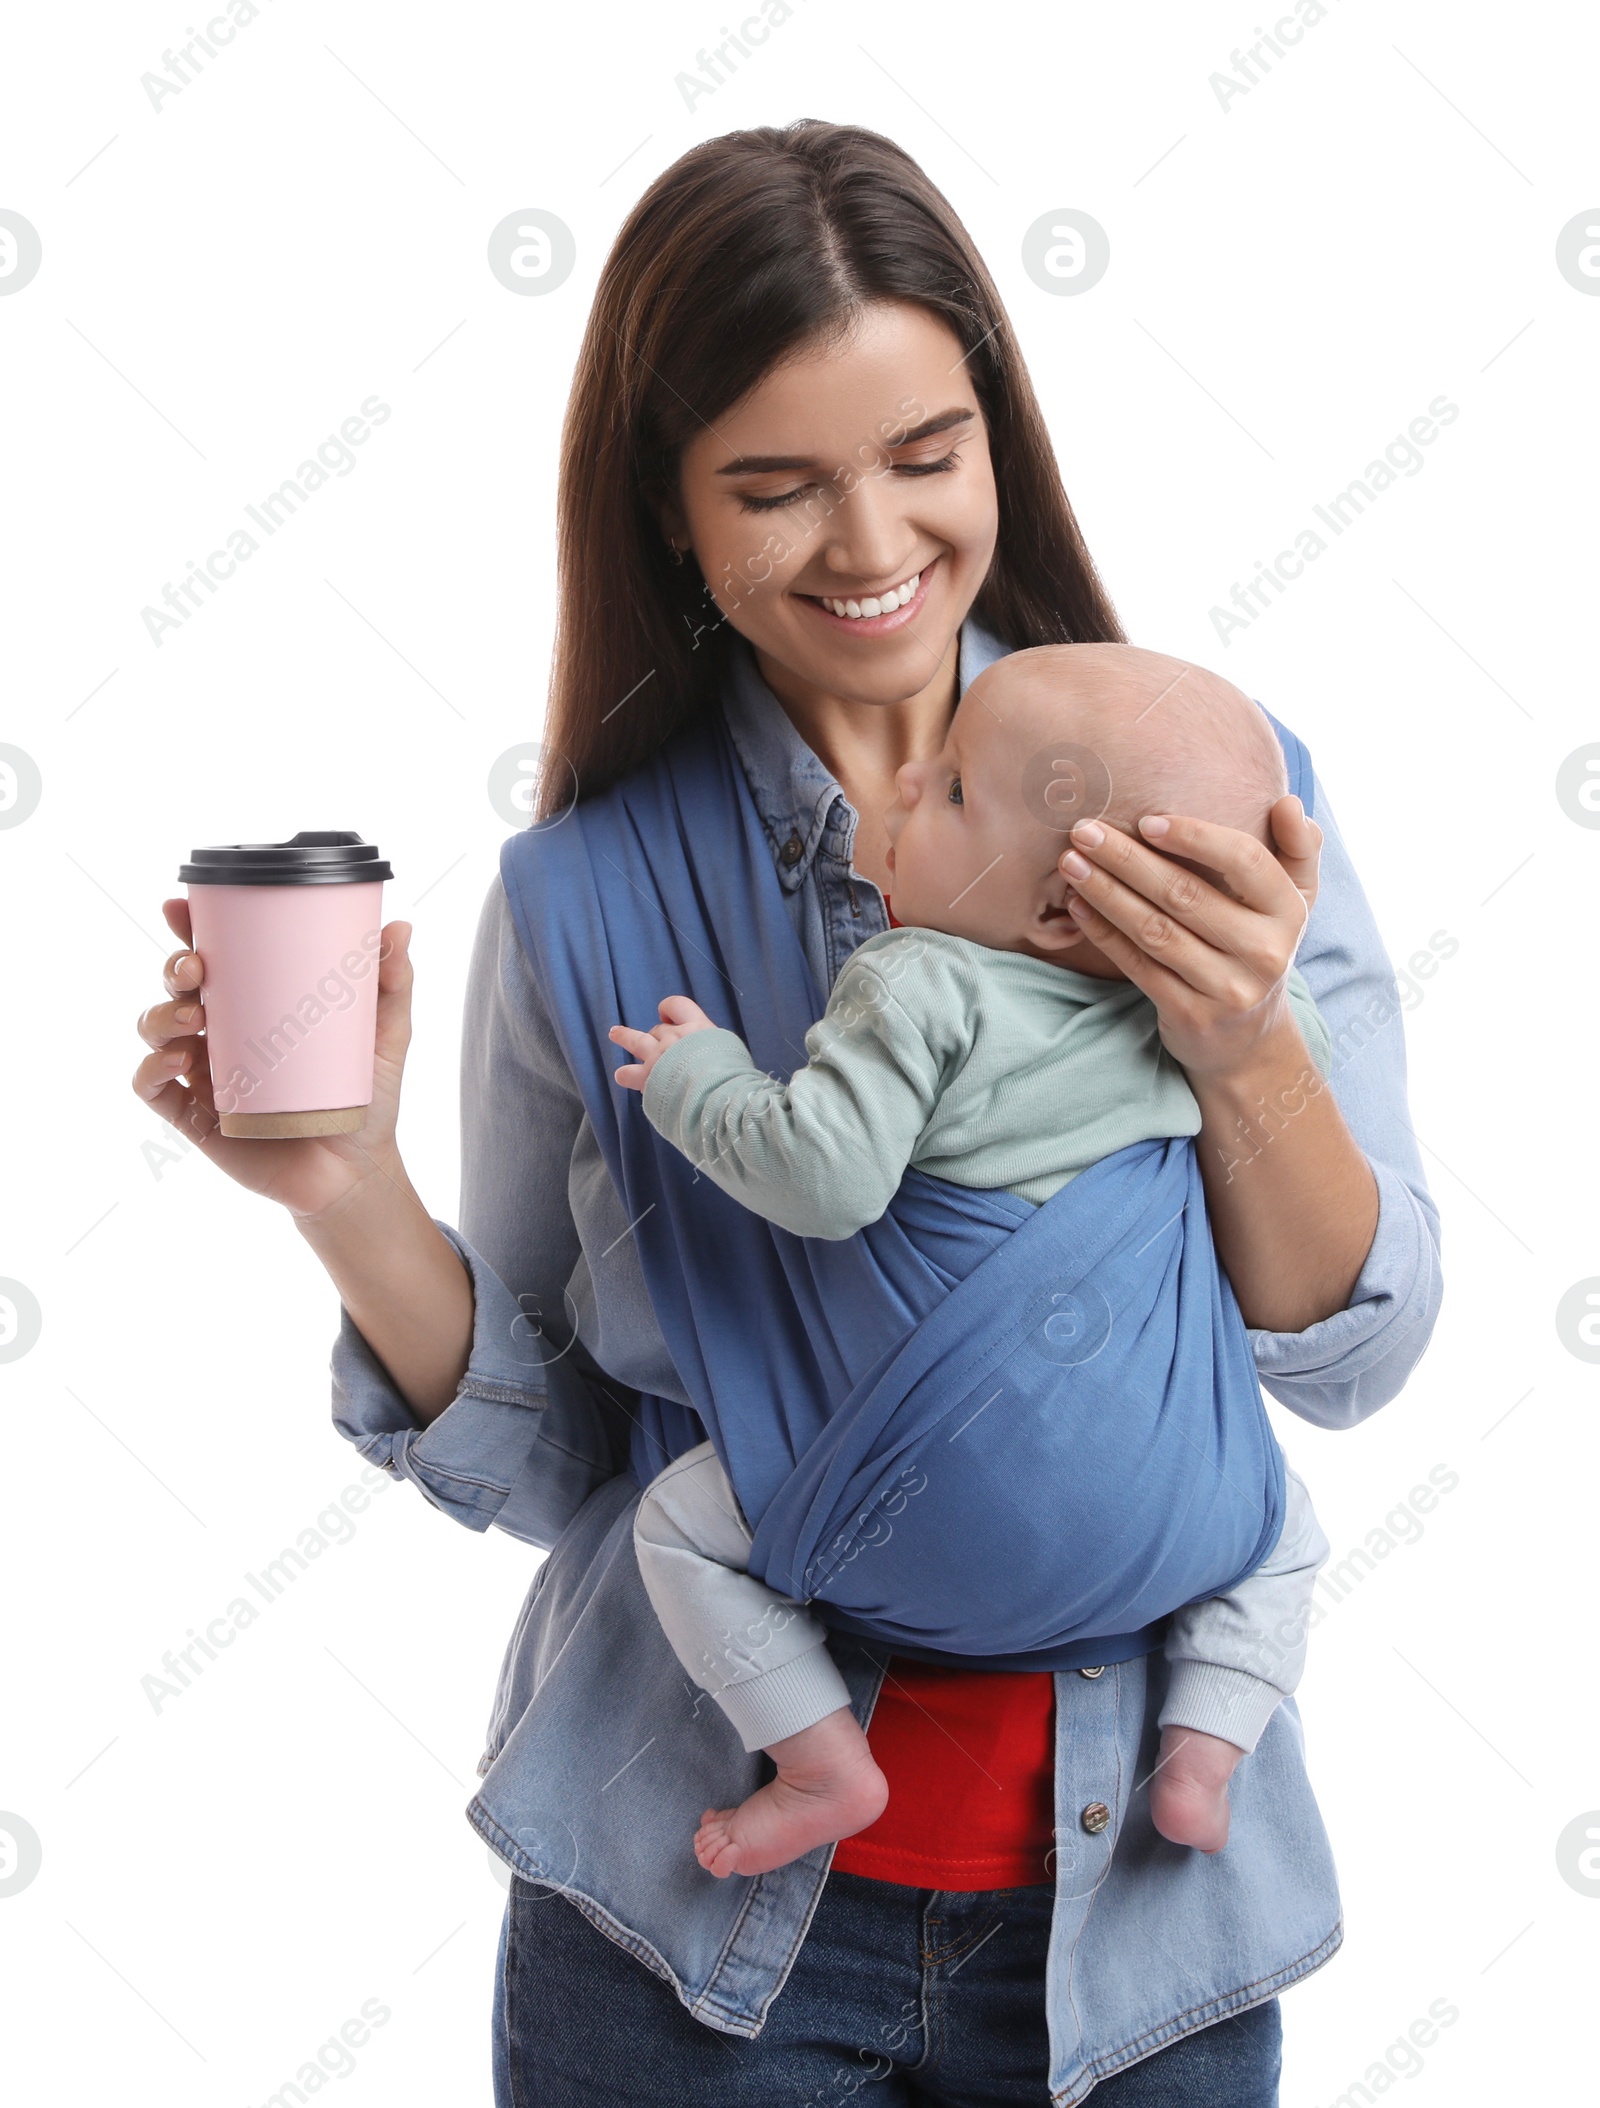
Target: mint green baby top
(988,1068)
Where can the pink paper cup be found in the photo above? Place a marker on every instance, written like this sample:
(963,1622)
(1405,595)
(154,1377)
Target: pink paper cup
(288,936)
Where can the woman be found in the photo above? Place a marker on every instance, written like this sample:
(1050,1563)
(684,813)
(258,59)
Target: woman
(799,392)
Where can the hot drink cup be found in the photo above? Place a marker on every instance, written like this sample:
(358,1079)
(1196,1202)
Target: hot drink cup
(288,935)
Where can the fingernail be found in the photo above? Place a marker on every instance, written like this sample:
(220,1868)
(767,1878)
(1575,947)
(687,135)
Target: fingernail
(185,1011)
(1152,823)
(1075,866)
(1077,905)
(1090,833)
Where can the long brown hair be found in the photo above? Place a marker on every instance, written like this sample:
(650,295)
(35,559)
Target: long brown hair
(748,247)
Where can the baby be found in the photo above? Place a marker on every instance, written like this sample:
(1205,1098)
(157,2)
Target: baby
(987,1041)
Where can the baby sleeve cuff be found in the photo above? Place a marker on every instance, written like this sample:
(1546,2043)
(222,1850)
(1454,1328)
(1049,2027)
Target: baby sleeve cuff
(798,1693)
(688,1067)
(1228,1703)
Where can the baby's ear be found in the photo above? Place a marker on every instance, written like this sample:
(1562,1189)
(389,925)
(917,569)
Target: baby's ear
(1050,926)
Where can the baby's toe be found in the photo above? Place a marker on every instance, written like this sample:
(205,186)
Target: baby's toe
(712,1842)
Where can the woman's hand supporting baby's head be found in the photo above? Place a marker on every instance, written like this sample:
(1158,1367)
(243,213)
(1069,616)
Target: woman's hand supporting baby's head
(1044,739)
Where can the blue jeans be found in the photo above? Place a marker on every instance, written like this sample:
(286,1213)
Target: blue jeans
(924,1995)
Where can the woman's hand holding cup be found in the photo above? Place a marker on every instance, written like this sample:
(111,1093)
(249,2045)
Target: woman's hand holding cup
(311,1175)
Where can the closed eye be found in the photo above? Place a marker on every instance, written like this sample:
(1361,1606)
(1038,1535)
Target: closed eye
(904,468)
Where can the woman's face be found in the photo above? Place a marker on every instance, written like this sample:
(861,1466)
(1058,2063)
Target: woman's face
(845,476)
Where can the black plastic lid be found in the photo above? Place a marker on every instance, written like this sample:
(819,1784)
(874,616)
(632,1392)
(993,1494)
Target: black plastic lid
(310,858)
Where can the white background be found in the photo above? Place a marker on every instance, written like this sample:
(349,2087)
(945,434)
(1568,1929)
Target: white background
(1292,280)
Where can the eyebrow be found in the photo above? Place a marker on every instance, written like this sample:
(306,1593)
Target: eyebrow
(766,464)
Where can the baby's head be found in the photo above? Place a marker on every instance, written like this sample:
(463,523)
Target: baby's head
(1048,737)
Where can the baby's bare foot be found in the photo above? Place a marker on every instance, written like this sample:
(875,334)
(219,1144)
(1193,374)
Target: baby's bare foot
(1189,1790)
(828,1786)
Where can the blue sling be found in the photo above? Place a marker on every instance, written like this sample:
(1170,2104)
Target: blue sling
(987,1433)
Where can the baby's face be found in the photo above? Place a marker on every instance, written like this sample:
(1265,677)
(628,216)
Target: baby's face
(967,854)
(1050,736)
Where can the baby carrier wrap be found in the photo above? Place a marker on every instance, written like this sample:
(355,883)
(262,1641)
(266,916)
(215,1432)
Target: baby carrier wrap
(984,1432)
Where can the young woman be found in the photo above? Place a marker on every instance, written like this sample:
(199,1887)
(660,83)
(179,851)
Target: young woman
(799,396)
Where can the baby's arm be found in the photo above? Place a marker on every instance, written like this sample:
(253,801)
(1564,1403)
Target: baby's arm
(823,1154)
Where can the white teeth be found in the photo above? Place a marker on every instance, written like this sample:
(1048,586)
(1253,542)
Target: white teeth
(884,604)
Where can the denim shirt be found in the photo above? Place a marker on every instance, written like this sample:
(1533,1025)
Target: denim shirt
(600,1753)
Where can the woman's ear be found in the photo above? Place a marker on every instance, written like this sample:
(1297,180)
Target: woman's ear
(670,520)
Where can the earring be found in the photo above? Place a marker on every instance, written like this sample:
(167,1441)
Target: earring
(677,553)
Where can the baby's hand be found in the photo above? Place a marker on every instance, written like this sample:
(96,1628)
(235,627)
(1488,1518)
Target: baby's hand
(679,1017)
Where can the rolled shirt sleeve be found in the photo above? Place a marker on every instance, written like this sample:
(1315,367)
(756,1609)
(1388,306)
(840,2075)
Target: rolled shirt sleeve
(1340,1370)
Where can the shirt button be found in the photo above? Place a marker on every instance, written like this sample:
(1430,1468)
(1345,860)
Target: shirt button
(1095,1817)
(1092,1672)
(792,851)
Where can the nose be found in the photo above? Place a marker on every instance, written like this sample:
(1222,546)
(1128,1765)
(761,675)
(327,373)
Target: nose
(908,782)
(870,534)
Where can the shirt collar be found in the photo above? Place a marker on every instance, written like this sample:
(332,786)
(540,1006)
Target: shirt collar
(794,791)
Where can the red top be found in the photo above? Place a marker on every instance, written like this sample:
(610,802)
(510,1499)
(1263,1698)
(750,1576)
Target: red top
(970,1759)
(969,1756)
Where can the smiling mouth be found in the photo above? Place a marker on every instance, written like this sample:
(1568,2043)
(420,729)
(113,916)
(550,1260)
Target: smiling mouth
(875,615)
